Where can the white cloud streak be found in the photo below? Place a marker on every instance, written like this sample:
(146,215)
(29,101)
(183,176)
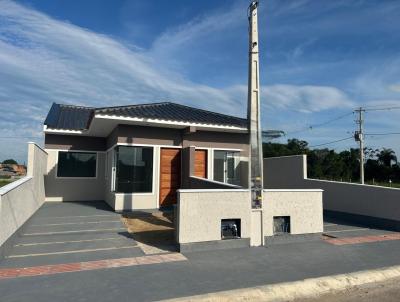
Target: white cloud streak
(43,60)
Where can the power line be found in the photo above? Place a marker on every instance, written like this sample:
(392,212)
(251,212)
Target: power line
(380,109)
(332,142)
(311,127)
(376,134)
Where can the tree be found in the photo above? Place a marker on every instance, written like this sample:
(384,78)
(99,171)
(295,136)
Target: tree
(380,164)
(387,157)
(9,162)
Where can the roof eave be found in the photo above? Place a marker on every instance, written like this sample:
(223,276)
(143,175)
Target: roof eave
(48,130)
(181,124)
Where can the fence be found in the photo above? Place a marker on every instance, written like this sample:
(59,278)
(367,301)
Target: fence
(21,198)
(374,205)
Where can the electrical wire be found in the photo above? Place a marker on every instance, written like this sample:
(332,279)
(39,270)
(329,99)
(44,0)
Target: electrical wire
(332,142)
(376,134)
(380,109)
(311,127)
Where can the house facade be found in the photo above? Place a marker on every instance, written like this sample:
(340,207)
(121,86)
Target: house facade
(137,157)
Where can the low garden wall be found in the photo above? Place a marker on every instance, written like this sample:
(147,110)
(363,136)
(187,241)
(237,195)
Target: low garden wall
(200,212)
(20,199)
(373,205)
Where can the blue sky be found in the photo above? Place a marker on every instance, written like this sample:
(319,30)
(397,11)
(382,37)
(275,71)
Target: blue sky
(319,60)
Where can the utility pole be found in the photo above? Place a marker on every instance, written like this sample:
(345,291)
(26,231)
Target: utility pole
(253,111)
(359,137)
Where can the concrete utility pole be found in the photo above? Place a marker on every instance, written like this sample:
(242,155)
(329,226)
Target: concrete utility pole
(253,111)
(359,137)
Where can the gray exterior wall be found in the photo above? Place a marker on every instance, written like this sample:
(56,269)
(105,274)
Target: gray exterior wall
(381,205)
(71,188)
(64,189)
(142,135)
(72,142)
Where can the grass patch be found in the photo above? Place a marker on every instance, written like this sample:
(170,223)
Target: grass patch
(4,182)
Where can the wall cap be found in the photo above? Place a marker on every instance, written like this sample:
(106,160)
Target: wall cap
(210,190)
(296,155)
(293,190)
(216,182)
(33,143)
(15,184)
(352,183)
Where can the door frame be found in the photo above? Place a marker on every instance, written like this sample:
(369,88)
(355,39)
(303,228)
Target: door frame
(179,148)
(207,151)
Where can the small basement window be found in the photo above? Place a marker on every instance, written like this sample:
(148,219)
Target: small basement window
(281,225)
(230,228)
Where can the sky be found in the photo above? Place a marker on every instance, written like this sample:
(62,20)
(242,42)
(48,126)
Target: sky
(318,61)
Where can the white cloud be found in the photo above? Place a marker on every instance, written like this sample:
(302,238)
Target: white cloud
(43,60)
(395,87)
(306,98)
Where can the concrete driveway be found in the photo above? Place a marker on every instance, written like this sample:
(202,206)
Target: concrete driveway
(71,232)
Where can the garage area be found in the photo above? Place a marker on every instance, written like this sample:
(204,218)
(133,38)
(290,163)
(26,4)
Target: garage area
(70,232)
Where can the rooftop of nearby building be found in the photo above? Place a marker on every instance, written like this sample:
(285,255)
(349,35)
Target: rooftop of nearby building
(79,118)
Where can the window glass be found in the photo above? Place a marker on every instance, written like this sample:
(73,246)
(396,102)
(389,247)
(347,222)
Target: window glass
(76,164)
(219,166)
(226,166)
(134,169)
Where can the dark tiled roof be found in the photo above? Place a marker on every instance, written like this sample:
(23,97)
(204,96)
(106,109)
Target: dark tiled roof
(69,117)
(79,118)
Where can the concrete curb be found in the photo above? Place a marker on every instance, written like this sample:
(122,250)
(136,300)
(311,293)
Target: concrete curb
(307,288)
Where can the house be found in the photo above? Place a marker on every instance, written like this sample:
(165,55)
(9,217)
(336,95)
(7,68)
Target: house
(137,157)
(12,170)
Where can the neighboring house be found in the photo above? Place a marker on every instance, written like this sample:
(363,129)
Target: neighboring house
(136,157)
(12,170)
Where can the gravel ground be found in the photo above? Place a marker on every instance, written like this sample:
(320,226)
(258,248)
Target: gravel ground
(388,291)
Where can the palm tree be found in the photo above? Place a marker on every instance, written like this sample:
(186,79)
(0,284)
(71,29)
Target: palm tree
(387,157)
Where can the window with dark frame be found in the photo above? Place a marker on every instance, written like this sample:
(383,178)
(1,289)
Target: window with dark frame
(134,169)
(76,164)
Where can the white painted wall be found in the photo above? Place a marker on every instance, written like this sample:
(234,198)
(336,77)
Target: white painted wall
(368,200)
(304,207)
(20,199)
(200,213)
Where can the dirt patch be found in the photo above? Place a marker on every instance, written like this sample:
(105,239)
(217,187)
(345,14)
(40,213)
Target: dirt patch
(154,232)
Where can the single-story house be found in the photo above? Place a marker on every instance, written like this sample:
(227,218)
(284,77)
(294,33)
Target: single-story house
(153,156)
(136,157)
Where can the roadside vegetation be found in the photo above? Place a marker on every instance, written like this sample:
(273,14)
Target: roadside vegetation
(4,166)
(4,182)
(381,166)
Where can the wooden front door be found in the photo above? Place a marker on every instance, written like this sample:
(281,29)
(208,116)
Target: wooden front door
(170,175)
(200,163)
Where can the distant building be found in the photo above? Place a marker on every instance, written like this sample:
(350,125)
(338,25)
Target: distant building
(12,170)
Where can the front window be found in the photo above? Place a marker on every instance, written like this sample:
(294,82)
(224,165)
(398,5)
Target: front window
(76,164)
(226,166)
(134,169)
